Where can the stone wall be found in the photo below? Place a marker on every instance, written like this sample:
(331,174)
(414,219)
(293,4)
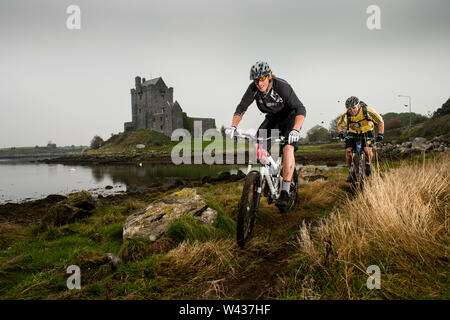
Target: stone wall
(415,146)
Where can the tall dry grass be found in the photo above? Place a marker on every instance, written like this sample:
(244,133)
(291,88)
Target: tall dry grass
(400,223)
(200,268)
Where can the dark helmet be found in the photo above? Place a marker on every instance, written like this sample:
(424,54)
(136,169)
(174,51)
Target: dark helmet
(351,102)
(259,70)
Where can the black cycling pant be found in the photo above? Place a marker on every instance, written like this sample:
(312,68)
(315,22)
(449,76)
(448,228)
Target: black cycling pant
(284,125)
(366,141)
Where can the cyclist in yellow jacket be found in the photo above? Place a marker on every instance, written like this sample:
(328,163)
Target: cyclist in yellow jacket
(360,120)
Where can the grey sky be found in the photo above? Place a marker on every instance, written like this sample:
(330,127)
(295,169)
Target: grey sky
(67,86)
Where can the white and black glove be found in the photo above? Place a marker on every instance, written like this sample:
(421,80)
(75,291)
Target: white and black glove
(229,132)
(294,136)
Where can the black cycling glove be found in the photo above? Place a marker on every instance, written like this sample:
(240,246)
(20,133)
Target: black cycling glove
(380,137)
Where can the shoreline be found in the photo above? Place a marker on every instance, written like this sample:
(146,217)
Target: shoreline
(120,159)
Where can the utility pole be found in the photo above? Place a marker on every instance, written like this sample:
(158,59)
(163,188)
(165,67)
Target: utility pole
(409,99)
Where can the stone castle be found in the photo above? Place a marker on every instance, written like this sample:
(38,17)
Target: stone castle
(152,108)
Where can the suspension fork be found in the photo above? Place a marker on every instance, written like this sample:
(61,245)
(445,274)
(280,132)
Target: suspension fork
(257,198)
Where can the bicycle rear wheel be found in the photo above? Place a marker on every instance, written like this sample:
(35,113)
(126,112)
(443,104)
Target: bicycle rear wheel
(248,206)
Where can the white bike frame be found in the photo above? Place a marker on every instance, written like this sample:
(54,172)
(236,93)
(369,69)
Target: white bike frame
(273,181)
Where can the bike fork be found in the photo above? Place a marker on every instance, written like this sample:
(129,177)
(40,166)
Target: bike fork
(257,199)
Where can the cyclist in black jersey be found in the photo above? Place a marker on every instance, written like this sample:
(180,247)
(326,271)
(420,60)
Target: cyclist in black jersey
(284,111)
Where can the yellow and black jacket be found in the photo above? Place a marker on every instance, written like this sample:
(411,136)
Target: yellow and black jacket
(361,123)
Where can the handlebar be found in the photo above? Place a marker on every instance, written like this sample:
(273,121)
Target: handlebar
(254,138)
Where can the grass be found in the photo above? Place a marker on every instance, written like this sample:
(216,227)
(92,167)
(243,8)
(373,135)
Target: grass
(320,250)
(399,223)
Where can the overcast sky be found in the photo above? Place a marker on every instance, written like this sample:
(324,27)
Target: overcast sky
(69,85)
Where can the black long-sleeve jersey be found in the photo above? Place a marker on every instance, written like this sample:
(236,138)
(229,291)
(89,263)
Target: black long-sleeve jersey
(278,103)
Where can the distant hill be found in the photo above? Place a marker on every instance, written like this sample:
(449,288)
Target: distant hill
(50,150)
(397,125)
(126,141)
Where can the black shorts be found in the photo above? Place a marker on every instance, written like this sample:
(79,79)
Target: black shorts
(284,125)
(366,141)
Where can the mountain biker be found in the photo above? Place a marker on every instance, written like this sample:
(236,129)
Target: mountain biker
(359,119)
(284,111)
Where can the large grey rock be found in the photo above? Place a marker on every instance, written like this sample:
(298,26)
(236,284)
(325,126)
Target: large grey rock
(153,222)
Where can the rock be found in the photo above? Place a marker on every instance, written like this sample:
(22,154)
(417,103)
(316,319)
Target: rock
(224,176)
(140,146)
(82,200)
(76,206)
(314,177)
(108,187)
(419,143)
(113,261)
(311,173)
(55,197)
(206,179)
(309,170)
(241,174)
(153,222)
(62,213)
(208,216)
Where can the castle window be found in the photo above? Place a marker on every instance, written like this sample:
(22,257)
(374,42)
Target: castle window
(161,127)
(160,118)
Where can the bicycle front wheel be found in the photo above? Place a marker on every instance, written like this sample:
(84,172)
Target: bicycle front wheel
(358,163)
(248,206)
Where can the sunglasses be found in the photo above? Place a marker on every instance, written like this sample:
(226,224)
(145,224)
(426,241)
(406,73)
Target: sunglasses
(354,107)
(260,79)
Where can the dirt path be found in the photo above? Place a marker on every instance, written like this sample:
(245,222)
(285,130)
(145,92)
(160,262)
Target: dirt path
(265,280)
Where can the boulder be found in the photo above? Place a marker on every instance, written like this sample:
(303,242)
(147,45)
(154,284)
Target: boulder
(311,173)
(113,261)
(82,200)
(76,206)
(241,174)
(154,221)
(55,197)
(419,143)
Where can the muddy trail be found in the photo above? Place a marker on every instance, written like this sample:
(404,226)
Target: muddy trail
(267,275)
(263,282)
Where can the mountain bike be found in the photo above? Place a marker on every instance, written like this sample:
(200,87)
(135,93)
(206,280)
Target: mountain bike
(358,164)
(267,177)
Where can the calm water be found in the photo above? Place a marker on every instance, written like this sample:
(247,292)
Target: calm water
(22,180)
